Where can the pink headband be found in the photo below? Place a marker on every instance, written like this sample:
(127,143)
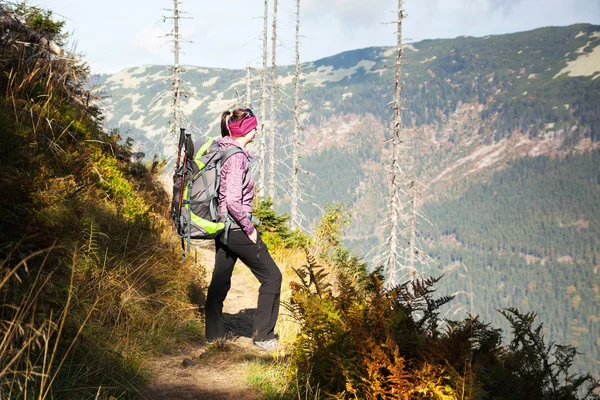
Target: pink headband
(243,126)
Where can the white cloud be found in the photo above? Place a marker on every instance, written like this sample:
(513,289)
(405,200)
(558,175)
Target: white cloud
(483,17)
(355,13)
(153,39)
(126,33)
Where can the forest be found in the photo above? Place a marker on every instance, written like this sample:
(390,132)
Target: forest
(541,258)
(493,71)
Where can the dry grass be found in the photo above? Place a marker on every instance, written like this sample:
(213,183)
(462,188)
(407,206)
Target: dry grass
(72,332)
(287,260)
(30,351)
(78,318)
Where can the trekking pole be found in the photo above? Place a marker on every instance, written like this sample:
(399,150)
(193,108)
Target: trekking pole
(181,141)
(189,148)
(189,152)
(177,172)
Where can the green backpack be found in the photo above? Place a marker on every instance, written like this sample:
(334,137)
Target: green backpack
(195,206)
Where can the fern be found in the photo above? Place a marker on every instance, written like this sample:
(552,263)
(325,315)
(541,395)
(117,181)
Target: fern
(360,340)
(538,370)
(387,344)
(90,235)
(416,297)
(313,274)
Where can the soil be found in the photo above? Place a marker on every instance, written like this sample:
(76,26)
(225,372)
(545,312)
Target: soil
(216,372)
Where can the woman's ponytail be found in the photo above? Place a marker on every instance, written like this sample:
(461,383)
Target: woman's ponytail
(225,124)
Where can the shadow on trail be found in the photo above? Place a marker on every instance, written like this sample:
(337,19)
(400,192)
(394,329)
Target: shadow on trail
(217,373)
(240,324)
(192,392)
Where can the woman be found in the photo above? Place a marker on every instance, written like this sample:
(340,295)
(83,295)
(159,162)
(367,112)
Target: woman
(238,128)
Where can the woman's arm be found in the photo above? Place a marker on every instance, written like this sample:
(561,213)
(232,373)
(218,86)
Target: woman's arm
(232,185)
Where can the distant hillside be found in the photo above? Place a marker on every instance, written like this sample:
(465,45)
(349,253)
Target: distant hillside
(503,132)
(504,73)
(528,238)
(537,89)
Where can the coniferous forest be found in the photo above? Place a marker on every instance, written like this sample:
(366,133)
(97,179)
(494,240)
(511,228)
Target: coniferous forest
(542,259)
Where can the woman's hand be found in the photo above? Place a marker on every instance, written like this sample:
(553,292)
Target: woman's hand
(253,236)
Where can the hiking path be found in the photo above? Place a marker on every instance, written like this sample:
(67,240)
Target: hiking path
(199,371)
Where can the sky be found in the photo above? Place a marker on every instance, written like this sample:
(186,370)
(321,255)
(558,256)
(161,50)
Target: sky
(116,34)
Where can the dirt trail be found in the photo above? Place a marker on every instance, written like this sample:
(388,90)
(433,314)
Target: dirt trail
(194,371)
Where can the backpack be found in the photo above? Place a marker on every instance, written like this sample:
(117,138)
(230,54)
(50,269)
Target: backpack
(195,206)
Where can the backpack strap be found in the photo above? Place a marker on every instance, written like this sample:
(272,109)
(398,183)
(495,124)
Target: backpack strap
(229,152)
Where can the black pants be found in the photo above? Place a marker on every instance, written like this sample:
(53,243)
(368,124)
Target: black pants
(257,258)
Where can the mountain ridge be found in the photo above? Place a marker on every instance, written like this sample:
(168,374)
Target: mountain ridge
(474,117)
(408,45)
(212,90)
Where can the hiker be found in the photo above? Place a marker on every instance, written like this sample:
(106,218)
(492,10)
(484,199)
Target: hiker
(238,128)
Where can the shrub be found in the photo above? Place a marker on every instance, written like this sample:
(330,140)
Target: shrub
(274,228)
(388,344)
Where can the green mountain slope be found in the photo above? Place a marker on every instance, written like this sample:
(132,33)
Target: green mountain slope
(516,77)
(527,239)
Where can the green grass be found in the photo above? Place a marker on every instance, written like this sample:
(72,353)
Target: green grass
(269,377)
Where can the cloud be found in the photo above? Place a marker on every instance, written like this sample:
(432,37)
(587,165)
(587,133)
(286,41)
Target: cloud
(351,13)
(443,18)
(153,39)
(503,5)
(229,35)
(334,26)
(446,19)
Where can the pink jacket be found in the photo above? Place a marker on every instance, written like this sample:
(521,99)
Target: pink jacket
(233,196)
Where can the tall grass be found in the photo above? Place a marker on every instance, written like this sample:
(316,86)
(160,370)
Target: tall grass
(89,333)
(96,285)
(29,350)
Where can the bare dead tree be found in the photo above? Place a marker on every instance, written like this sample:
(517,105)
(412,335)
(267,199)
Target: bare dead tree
(295,141)
(413,229)
(393,267)
(176,72)
(248,87)
(272,118)
(263,106)
(415,257)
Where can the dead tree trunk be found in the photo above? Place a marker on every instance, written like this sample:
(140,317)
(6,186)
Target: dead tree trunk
(393,266)
(412,245)
(248,102)
(12,22)
(295,142)
(176,77)
(263,106)
(273,119)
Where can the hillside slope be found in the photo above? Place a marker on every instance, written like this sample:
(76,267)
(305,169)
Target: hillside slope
(89,282)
